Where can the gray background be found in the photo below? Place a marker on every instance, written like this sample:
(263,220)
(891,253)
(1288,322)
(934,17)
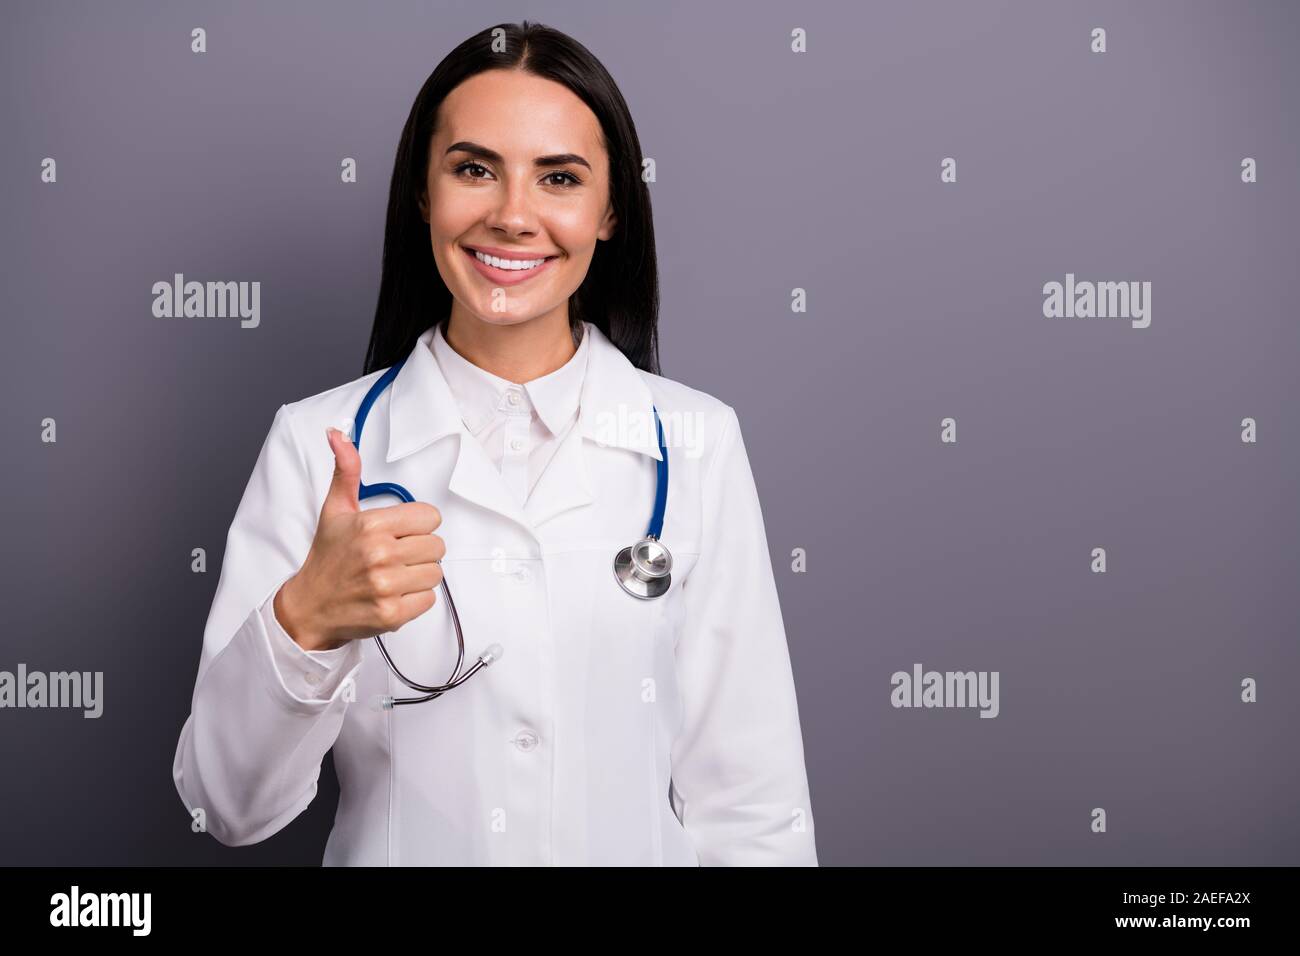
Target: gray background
(775,170)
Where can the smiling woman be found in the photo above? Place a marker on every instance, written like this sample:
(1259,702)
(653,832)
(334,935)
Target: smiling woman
(640,706)
(513,202)
(521,167)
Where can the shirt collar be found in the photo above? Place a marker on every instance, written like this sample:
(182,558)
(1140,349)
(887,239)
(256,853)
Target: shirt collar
(481,395)
(613,399)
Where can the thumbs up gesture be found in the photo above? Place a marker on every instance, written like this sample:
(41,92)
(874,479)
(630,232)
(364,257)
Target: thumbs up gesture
(367,572)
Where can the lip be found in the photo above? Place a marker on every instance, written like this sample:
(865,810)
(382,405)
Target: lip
(507,276)
(511,253)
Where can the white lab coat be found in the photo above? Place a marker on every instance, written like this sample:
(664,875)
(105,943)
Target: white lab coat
(613,731)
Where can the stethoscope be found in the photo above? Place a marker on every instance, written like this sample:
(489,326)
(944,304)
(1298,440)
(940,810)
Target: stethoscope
(643,569)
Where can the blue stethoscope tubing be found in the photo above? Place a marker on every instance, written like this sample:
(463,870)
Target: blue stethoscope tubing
(646,563)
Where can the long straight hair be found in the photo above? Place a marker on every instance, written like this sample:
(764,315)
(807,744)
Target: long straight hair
(620,293)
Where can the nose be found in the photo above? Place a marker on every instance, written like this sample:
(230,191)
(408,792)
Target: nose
(513,213)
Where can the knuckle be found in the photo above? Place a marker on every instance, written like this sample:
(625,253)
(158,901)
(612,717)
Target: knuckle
(388,613)
(378,580)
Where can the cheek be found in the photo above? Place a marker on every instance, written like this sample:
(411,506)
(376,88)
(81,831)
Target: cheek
(574,227)
(452,212)
(577,237)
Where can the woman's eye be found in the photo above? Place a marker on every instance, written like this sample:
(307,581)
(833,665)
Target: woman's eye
(572,180)
(470,165)
(563,179)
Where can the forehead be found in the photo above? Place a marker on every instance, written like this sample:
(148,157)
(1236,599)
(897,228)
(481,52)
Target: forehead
(511,111)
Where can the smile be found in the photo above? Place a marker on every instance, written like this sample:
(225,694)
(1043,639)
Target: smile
(505,271)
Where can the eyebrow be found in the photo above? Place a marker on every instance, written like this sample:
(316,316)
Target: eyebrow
(556,159)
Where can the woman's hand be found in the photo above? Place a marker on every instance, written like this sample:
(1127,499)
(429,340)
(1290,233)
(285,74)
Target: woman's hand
(367,572)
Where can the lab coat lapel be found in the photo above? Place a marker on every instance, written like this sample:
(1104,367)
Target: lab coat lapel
(475,479)
(422,411)
(564,484)
(612,391)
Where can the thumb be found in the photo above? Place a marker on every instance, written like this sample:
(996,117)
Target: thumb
(342,495)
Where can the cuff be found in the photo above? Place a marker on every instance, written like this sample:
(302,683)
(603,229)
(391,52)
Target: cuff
(307,675)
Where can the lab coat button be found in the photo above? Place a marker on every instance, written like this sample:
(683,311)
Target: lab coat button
(526,740)
(516,444)
(523,574)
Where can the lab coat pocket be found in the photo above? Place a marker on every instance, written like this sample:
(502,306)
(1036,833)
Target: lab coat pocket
(637,698)
(640,633)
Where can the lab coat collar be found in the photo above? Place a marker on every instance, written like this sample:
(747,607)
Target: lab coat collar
(616,407)
(614,410)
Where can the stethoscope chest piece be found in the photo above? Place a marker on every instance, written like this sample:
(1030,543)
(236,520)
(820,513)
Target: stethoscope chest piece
(644,569)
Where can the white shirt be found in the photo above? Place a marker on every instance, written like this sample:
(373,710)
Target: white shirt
(613,731)
(518,425)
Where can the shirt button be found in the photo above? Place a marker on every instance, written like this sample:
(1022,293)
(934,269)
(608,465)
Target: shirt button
(311,677)
(512,398)
(526,740)
(516,444)
(523,574)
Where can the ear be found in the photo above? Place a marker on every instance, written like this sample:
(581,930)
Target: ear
(607,225)
(424,205)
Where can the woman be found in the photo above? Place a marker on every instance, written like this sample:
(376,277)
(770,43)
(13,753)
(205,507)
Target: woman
(519,298)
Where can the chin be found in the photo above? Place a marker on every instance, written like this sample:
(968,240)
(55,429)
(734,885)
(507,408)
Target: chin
(507,318)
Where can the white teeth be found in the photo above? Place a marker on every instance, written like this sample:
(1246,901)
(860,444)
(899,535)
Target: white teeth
(511,264)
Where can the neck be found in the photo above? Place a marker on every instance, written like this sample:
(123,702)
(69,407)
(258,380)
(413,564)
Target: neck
(517,353)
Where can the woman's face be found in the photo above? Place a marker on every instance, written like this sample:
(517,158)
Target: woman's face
(517,169)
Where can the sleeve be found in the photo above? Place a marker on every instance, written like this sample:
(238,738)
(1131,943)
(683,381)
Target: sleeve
(738,762)
(307,674)
(263,714)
